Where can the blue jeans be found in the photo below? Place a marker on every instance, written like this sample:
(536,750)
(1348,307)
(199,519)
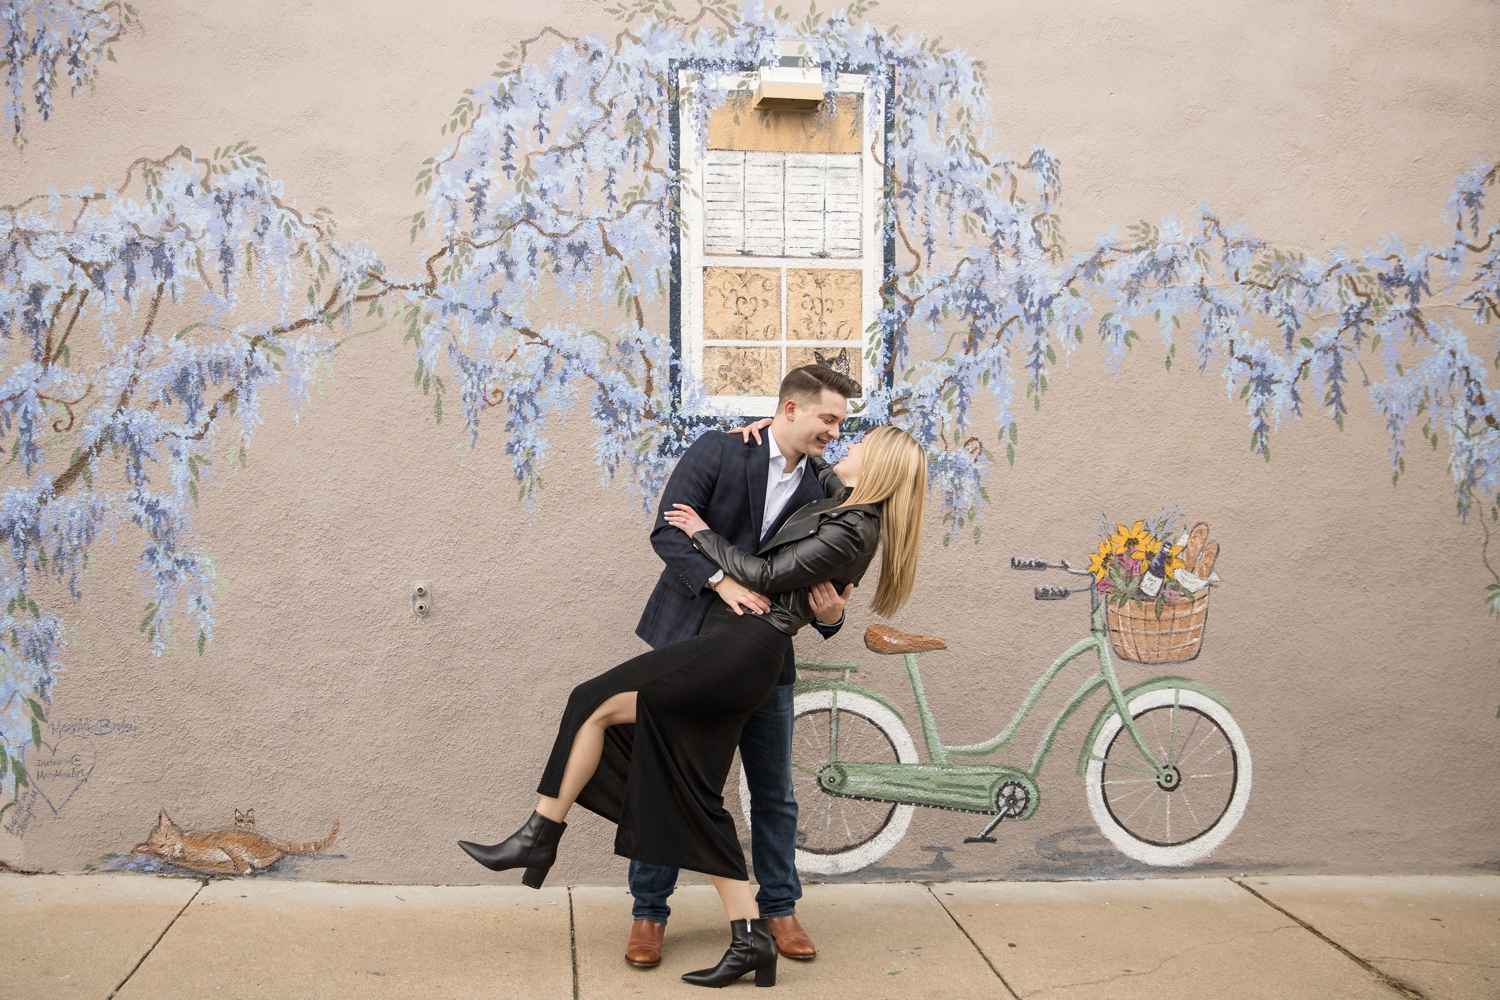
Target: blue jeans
(766,753)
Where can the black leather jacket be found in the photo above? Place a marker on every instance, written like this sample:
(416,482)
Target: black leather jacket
(822,541)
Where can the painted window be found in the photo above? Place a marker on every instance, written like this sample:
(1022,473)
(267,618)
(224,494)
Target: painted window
(779,241)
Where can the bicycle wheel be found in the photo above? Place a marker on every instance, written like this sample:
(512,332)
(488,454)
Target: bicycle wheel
(1181,817)
(837,834)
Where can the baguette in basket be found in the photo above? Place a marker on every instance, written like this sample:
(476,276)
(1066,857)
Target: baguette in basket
(1168,626)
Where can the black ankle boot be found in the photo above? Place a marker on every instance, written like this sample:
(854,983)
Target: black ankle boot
(751,949)
(533,847)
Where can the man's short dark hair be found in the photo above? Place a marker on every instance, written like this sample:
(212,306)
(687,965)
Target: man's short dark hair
(806,385)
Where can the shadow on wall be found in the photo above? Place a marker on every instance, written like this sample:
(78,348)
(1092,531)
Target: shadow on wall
(1079,852)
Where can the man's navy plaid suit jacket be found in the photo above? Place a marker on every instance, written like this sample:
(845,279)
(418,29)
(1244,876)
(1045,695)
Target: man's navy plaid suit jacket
(723,478)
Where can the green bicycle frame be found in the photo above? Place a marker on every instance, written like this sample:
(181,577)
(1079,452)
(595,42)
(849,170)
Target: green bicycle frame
(940,754)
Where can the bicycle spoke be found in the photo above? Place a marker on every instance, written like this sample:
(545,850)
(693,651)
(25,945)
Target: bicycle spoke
(1145,789)
(830,823)
(1129,781)
(1206,737)
(1111,762)
(1151,823)
(1185,740)
(1137,809)
(1189,803)
(1172,745)
(1206,795)
(1216,753)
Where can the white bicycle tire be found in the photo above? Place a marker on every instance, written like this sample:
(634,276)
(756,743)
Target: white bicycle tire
(871,851)
(1176,855)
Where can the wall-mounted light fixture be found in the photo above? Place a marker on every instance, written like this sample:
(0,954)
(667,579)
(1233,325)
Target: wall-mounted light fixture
(794,84)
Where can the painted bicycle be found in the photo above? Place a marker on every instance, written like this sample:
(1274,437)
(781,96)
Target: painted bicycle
(1166,769)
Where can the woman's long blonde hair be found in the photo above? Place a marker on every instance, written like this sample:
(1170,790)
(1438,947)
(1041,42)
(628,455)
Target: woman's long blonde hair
(893,476)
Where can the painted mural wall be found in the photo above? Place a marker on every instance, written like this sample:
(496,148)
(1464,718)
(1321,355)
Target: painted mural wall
(289,332)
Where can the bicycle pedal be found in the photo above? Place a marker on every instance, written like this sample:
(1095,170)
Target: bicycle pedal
(980,840)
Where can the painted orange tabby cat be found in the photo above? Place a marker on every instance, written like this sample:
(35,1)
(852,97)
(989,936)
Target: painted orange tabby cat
(224,852)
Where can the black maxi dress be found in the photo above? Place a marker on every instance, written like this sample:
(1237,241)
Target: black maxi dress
(662,779)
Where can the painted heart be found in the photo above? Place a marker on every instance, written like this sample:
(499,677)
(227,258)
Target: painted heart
(58,770)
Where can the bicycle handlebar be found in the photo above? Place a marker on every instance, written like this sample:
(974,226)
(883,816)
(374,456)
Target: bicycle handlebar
(1016,562)
(1051,593)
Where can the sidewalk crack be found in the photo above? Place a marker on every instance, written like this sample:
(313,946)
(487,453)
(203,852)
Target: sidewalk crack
(573,941)
(1405,989)
(116,991)
(965,932)
(1170,958)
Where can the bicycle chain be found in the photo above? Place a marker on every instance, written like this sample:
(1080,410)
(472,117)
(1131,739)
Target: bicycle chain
(919,805)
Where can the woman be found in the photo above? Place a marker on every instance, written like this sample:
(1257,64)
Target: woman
(662,778)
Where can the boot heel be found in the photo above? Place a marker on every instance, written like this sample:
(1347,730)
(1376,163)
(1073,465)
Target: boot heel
(534,877)
(766,976)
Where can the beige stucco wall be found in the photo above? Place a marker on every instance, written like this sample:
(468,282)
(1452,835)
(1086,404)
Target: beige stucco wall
(1349,633)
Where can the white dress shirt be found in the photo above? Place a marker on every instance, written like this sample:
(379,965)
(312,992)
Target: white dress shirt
(780,485)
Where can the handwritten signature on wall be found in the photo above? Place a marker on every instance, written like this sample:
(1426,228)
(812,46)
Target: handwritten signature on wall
(60,768)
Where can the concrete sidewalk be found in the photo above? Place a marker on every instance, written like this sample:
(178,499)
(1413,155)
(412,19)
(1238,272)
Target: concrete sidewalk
(147,938)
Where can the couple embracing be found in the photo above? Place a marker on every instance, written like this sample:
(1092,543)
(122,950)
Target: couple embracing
(759,540)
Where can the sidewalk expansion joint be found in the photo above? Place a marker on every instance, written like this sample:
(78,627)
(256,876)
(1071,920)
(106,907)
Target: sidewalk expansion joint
(116,991)
(965,932)
(1405,989)
(573,941)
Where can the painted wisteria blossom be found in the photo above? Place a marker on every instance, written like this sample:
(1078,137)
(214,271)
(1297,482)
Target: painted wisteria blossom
(45,38)
(143,329)
(558,184)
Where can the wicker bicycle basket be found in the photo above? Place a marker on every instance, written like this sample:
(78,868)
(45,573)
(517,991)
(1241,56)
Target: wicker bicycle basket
(1138,634)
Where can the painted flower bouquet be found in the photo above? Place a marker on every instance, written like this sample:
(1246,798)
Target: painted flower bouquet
(1156,584)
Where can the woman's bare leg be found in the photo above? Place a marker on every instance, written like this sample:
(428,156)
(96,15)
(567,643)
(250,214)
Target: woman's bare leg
(739,901)
(583,759)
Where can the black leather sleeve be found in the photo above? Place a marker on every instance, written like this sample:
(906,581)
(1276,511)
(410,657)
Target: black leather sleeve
(835,546)
(832,485)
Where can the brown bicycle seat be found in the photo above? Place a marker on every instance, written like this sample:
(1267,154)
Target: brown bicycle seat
(884,639)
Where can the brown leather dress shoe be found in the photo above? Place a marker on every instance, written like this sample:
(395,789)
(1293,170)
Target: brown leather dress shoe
(643,950)
(791,940)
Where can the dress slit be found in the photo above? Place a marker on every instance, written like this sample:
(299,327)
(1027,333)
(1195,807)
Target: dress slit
(662,779)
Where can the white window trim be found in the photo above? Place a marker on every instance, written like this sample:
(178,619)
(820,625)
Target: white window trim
(693,259)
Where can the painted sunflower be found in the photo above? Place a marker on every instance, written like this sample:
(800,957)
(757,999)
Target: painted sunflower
(1099,561)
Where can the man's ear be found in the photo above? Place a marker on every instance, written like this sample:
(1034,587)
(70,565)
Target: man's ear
(789,409)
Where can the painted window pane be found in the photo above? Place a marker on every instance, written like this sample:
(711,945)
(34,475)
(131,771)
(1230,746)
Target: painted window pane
(742,303)
(841,359)
(724,203)
(742,371)
(824,304)
(765,204)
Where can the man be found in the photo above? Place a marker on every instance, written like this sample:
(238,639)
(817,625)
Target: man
(746,493)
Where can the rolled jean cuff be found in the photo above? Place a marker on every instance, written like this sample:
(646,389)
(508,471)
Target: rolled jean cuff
(771,913)
(658,914)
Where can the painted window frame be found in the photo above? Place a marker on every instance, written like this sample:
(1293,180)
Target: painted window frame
(688,259)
